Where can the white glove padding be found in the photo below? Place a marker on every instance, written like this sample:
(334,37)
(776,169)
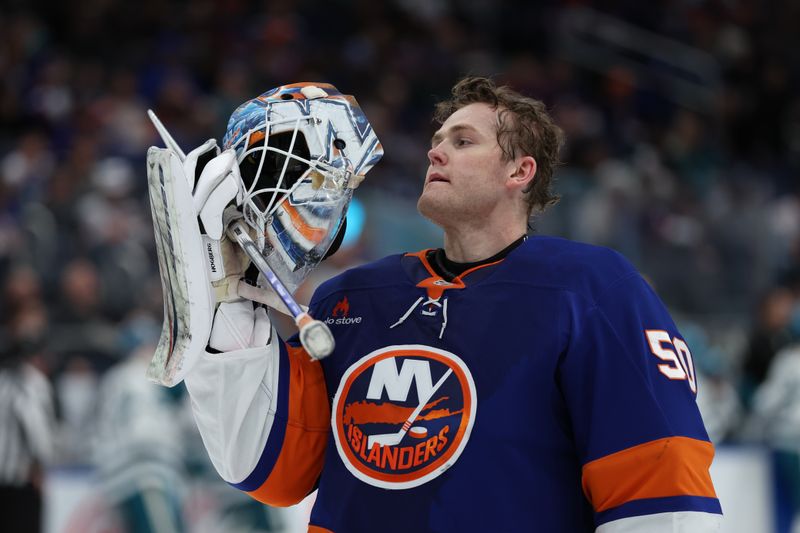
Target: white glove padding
(199,156)
(237,326)
(216,188)
(197,271)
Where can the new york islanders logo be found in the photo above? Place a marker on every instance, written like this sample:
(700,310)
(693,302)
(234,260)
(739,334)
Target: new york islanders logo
(403,414)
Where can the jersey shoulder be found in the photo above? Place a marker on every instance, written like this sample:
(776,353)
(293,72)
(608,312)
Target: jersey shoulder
(577,267)
(378,274)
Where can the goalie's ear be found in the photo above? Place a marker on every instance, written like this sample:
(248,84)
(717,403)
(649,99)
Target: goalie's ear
(337,241)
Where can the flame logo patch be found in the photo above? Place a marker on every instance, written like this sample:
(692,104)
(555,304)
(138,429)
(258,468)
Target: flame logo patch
(403,414)
(342,308)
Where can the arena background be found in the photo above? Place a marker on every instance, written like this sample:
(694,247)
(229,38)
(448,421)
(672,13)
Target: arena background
(683,127)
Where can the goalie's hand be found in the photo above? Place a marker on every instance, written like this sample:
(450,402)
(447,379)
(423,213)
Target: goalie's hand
(236,325)
(216,187)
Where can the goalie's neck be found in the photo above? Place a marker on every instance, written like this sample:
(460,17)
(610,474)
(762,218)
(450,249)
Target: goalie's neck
(448,269)
(469,243)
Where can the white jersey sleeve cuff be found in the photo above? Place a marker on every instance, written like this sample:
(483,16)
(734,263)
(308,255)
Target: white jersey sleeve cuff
(234,396)
(677,522)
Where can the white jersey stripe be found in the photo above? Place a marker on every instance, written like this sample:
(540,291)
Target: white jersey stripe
(678,522)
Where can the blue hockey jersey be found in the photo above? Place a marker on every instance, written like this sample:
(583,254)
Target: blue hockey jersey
(549,391)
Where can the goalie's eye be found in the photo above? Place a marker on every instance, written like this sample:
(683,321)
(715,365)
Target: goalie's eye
(274,159)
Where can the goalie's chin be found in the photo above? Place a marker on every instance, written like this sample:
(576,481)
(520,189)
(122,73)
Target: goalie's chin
(435,208)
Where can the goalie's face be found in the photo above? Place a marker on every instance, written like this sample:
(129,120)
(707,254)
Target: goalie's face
(467,178)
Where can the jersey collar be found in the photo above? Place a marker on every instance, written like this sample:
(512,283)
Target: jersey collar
(422,274)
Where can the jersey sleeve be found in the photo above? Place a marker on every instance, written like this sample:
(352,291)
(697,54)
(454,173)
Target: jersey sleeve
(673,522)
(264,417)
(628,381)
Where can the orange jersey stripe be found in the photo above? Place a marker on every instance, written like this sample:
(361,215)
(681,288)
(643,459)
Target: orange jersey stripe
(317,529)
(673,466)
(433,284)
(303,452)
(423,257)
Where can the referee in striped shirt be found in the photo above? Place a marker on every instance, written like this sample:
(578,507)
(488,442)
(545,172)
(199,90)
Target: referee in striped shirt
(27,425)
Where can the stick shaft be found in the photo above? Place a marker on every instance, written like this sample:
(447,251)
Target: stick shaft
(239,233)
(397,437)
(423,401)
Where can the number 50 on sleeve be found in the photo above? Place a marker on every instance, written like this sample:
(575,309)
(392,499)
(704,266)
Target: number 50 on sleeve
(678,363)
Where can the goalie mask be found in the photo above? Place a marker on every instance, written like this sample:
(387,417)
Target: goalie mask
(302,149)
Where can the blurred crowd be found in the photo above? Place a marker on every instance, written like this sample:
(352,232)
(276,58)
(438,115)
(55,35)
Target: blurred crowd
(688,168)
